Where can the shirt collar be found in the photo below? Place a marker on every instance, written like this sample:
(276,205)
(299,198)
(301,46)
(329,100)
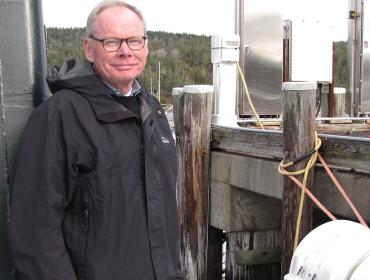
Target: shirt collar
(134,90)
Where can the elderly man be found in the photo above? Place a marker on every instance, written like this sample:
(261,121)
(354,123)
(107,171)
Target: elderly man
(93,196)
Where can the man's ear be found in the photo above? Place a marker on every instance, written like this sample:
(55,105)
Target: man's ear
(88,50)
(147,47)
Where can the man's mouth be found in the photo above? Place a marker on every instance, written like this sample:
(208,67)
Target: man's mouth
(123,66)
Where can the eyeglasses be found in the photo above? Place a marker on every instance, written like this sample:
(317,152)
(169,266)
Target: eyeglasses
(113,45)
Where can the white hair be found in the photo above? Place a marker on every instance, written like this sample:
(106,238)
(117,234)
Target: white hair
(90,24)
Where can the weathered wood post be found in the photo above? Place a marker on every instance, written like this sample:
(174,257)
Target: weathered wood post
(298,140)
(339,102)
(192,126)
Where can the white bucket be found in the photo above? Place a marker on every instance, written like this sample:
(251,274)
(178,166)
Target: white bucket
(337,250)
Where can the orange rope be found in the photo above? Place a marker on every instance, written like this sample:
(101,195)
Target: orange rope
(313,198)
(342,191)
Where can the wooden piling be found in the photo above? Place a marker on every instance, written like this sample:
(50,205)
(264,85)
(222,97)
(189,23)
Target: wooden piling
(214,253)
(339,102)
(192,127)
(298,140)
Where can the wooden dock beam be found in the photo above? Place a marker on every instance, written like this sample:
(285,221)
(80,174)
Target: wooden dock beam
(298,140)
(192,116)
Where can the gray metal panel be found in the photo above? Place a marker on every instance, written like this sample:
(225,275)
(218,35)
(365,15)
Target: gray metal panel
(365,98)
(23,86)
(4,260)
(262,55)
(22,49)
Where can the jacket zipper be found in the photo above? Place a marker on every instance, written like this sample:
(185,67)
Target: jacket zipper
(86,226)
(86,220)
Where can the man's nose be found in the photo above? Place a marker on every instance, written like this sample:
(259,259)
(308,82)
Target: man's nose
(124,49)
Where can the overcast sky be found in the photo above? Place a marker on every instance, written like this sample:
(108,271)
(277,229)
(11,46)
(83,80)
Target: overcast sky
(180,16)
(199,16)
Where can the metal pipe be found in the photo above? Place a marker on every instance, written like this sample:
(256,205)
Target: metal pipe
(23,58)
(252,120)
(22,49)
(355,67)
(361,58)
(239,30)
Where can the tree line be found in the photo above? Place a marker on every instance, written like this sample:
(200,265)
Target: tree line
(184,58)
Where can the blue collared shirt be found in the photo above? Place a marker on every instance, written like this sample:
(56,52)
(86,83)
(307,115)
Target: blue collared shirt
(135,89)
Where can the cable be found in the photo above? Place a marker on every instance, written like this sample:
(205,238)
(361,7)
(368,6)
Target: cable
(311,163)
(313,198)
(342,191)
(248,96)
(303,186)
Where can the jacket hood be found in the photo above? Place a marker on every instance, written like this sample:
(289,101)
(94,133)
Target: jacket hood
(79,76)
(76,75)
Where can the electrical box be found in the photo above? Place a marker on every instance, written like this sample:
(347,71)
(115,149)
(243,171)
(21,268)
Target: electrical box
(225,54)
(225,48)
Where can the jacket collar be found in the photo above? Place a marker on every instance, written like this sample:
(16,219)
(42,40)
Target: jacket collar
(108,110)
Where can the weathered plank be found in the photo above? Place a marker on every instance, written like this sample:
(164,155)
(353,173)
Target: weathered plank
(192,134)
(250,173)
(249,141)
(347,152)
(340,151)
(236,241)
(235,209)
(258,256)
(357,186)
(239,243)
(228,185)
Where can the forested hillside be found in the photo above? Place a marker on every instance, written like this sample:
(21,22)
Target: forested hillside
(340,64)
(184,58)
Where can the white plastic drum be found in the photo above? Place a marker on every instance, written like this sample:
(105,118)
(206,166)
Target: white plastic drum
(337,250)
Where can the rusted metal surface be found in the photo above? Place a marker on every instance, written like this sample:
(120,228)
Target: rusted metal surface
(192,124)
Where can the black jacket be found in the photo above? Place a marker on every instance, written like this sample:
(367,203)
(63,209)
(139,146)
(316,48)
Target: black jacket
(89,201)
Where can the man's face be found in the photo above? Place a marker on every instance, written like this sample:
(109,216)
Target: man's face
(118,68)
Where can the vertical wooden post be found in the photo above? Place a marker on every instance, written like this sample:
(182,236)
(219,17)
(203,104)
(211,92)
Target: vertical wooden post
(214,254)
(298,140)
(286,70)
(331,86)
(339,102)
(192,126)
